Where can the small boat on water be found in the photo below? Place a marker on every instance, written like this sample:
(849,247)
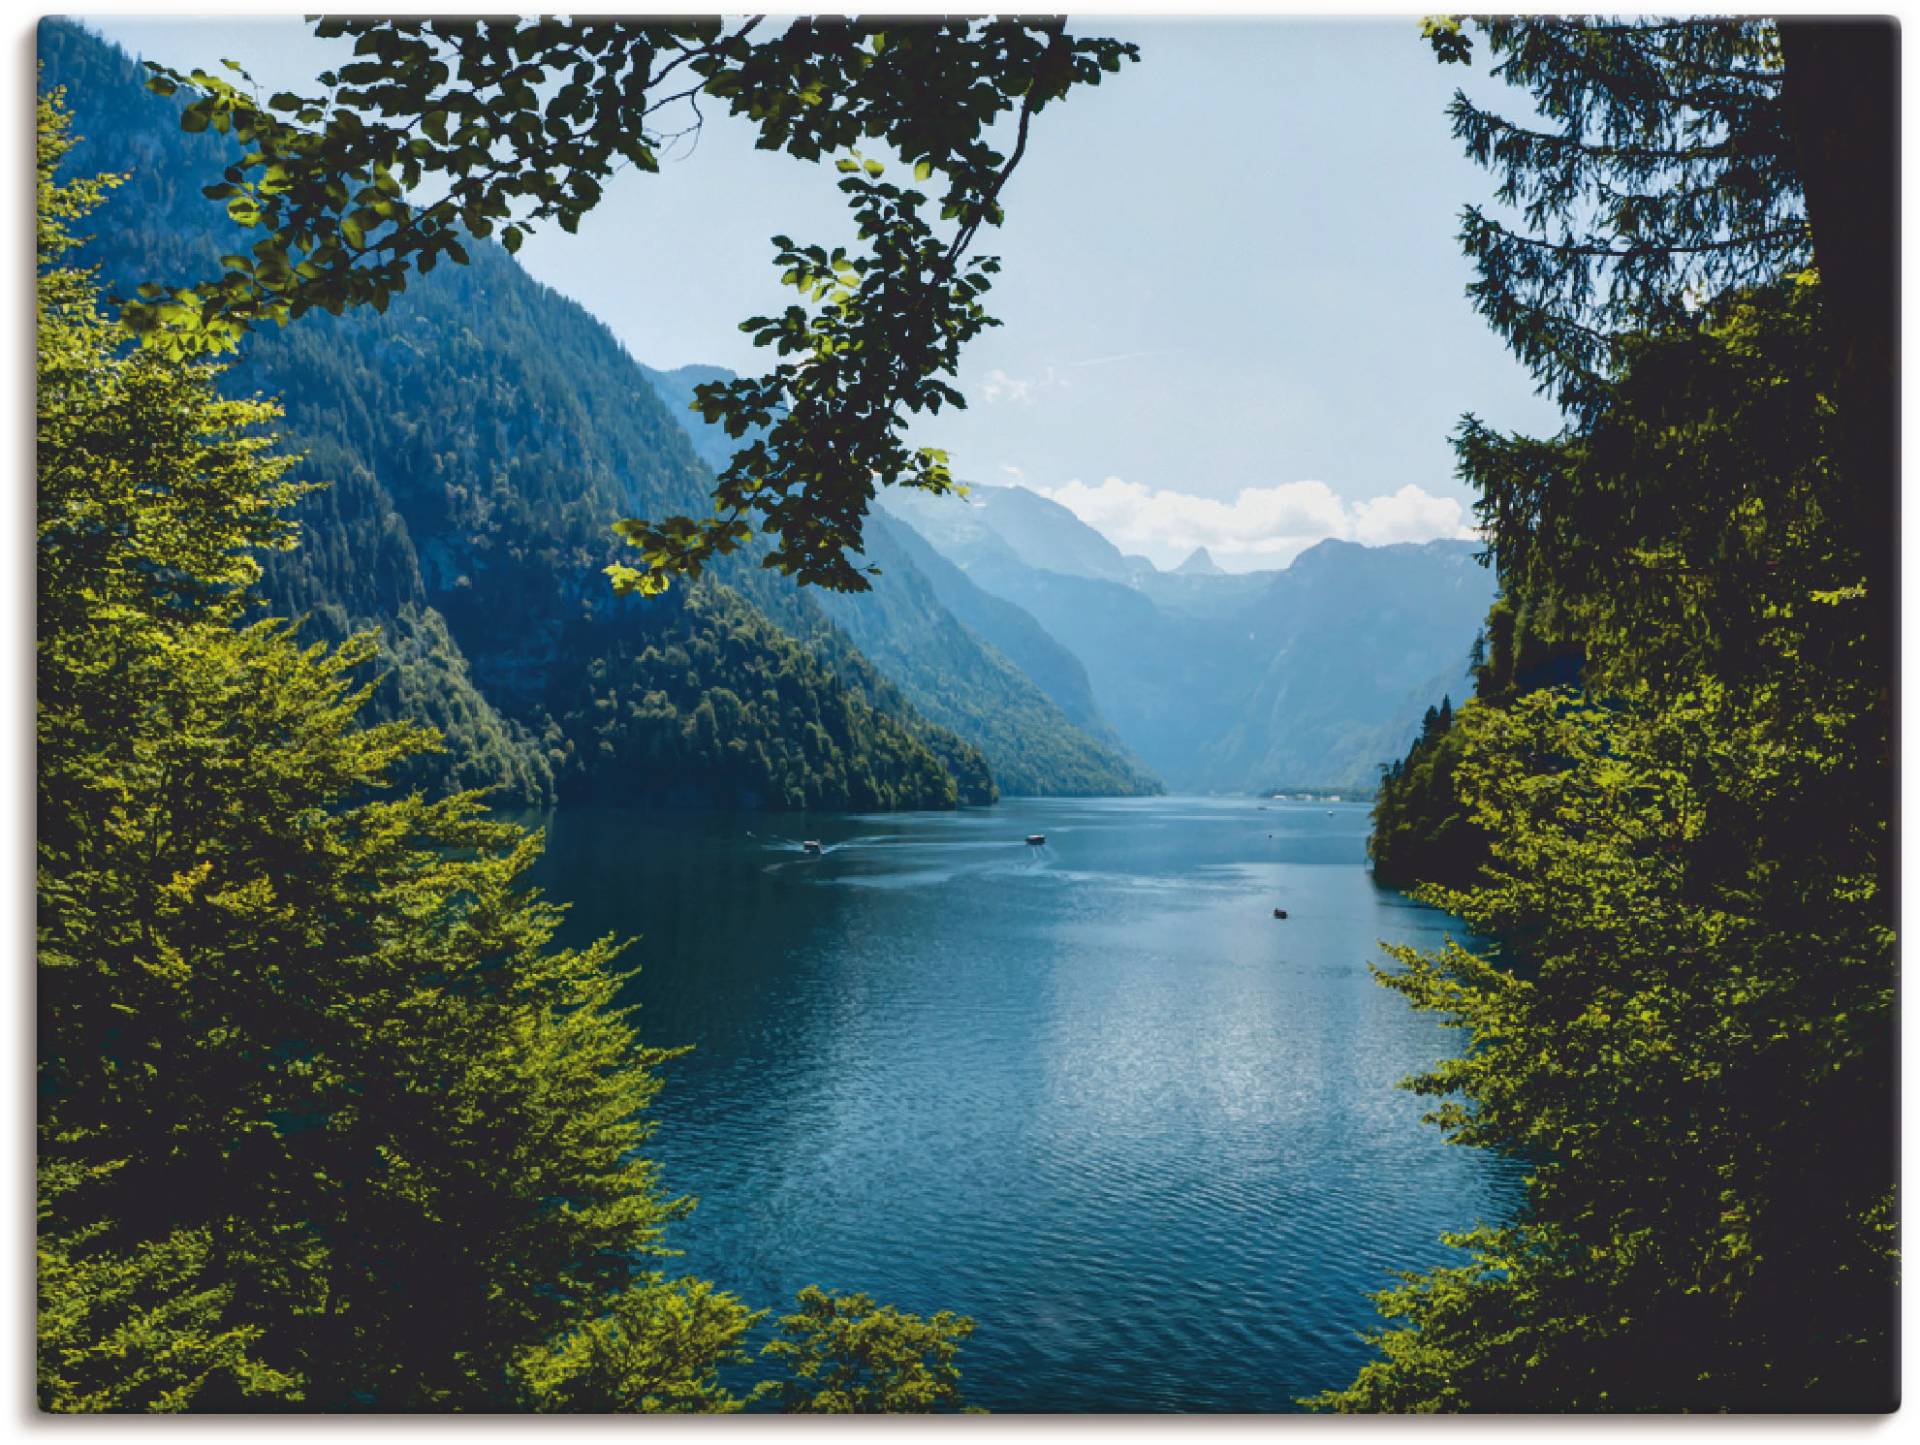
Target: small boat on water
(811,847)
(1036,840)
(1279,913)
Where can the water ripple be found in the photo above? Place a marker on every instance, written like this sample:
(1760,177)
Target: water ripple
(1092,1094)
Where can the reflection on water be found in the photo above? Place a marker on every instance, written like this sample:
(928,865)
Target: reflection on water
(1090,1092)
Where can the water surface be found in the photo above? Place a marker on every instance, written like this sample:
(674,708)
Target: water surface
(1093,1093)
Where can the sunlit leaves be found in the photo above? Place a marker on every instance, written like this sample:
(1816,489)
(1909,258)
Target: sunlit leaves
(1451,44)
(868,345)
(846,1355)
(512,123)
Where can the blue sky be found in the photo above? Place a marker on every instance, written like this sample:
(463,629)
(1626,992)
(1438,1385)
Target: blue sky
(1234,306)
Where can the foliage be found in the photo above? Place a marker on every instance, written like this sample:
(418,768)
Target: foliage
(718,704)
(142,1326)
(1421,833)
(1660,170)
(634,1359)
(1421,830)
(843,1354)
(1688,1043)
(519,121)
(479,440)
(1685,1027)
(322,1116)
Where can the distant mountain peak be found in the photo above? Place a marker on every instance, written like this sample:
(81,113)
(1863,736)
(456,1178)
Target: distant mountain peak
(1200,564)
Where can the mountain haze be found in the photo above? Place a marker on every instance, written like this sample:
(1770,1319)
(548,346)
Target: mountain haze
(966,684)
(1309,676)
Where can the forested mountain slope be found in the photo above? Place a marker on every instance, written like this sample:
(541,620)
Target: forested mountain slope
(969,661)
(966,684)
(478,439)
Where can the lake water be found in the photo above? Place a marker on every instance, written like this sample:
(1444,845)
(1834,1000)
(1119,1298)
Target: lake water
(1092,1094)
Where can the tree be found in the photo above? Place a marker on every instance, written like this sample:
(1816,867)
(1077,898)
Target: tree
(1679,161)
(843,1354)
(323,1118)
(520,122)
(1687,1046)
(1683,1023)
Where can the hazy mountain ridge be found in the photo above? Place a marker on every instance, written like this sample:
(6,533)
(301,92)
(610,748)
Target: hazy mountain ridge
(1308,676)
(967,685)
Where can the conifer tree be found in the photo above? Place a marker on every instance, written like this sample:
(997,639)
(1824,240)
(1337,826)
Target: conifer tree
(1683,1021)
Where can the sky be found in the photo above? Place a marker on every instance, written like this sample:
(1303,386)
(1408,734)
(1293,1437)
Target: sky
(1234,307)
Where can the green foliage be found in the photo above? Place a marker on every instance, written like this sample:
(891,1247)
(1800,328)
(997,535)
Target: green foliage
(1687,1038)
(843,1355)
(1421,831)
(717,703)
(310,1076)
(144,1326)
(1685,1023)
(519,121)
(1659,170)
(635,1359)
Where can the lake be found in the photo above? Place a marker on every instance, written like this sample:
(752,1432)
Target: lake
(1092,1093)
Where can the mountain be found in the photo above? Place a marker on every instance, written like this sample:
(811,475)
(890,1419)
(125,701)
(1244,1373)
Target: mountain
(1305,677)
(969,686)
(478,439)
(1200,563)
(1020,639)
(710,442)
(972,662)
(1011,525)
(1355,643)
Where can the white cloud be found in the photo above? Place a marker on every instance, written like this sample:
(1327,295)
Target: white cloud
(1261,526)
(1020,390)
(1409,515)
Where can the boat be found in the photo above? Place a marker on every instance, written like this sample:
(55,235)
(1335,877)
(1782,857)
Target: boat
(1279,913)
(1036,840)
(811,847)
